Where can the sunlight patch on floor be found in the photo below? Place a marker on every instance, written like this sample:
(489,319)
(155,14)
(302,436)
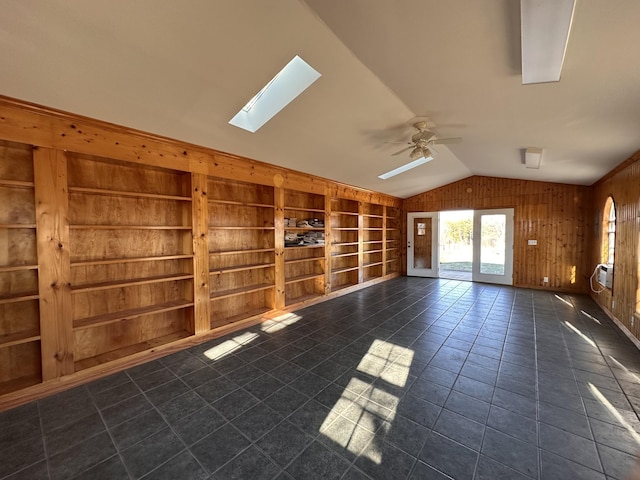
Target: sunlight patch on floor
(359,412)
(280,322)
(614,411)
(229,346)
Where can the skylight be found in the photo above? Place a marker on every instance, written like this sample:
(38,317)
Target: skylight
(281,90)
(404,168)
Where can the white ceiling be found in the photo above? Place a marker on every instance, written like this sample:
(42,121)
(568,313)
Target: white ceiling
(183,69)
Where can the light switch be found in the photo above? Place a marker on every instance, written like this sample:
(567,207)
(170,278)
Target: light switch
(532,242)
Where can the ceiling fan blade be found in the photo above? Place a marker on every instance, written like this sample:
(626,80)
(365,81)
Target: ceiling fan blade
(446,141)
(402,151)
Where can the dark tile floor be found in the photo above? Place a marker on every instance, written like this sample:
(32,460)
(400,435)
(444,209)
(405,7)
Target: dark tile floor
(413,378)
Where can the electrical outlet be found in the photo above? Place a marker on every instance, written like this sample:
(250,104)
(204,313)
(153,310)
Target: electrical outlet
(545,280)
(613,305)
(633,320)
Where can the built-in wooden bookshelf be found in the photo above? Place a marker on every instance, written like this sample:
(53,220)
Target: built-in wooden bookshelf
(131,258)
(241,250)
(345,243)
(118,247)
(20,362)
(304,261)
(372,241)
(392,240)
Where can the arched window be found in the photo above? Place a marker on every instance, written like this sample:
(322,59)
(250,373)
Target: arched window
(609,232)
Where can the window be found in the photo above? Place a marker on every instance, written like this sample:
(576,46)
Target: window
(609,232)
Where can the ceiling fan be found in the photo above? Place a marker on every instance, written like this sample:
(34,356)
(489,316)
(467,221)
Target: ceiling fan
(422,140)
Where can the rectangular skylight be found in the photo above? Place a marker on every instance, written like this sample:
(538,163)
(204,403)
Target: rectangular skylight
(404,168)
(290,82)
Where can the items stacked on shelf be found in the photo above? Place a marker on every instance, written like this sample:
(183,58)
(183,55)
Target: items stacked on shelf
(241,250)
(304,263)
(306,238)
(392,240)
(345,243)
(20,362)
(372,241)
(131,258)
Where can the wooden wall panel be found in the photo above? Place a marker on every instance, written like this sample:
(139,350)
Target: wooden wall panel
(54,274)
(558,216)
(128,245)
(623,184)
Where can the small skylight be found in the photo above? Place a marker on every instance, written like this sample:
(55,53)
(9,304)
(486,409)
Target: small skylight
(404,168)
(290,82)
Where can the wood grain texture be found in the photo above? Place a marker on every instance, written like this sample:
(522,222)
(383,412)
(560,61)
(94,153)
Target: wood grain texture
(200,200)
(125,260)
(623,185)
(52,212)
(558,216)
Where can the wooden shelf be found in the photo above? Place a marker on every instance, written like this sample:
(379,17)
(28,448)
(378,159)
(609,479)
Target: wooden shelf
(130,314)
(240,268)
(306,229)
(16,384)
(241,204)
(15,184)
(343,244)
(236,252)
(129,350)
(342,287)
(302,209)
(389,249)
(214,227)
(368,242)
(373,229)
(239,291)
(389,260)
(302,298)
(334,212)
(18,338)
(128,283)
(373,251)
(18,297)
(371,215)
(18,225)
(337,255)
(302,278)
(343,270)
(371,264)
(301,260)
(313,245)
(130,227)
(115,261)
(17,268)
(120,193)
(255,312)
(353,229)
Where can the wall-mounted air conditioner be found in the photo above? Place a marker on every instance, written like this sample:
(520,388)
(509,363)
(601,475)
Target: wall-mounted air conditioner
(605,275)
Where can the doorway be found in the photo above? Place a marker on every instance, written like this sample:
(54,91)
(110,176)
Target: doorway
(472,245)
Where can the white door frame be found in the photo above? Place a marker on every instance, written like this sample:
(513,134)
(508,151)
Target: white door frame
(435,233)
(507,278)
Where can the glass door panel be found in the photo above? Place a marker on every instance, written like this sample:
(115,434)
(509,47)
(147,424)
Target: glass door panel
(493,246)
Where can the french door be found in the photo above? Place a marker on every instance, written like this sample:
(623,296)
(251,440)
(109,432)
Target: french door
(422,244)
(492,245)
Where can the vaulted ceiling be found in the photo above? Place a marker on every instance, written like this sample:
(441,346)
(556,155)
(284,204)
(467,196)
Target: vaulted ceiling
(183,69)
